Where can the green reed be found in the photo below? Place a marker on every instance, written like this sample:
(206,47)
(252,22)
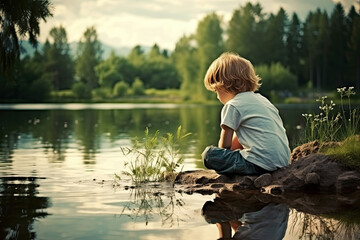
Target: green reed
(329,126)
(153,157)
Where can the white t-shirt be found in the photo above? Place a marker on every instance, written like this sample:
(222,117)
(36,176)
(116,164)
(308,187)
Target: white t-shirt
(259,129)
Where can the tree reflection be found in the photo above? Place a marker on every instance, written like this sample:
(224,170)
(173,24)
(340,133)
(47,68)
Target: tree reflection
(19,207)
(87,132)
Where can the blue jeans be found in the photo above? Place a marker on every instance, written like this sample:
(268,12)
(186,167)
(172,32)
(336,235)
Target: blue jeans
(226,161)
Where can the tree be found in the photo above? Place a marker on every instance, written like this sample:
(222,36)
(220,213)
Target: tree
(338,45)
(137,87)
(89,55)
(154,52)
(58,62)
(158,71)
(273,41)
(32,83)
(293,46)
(246,32)
(276,77)
(136,56)
(210,45)
(354,53)
(113,70)
(323,49)
(120,89)
(18,19)
(316,46)
(185,59)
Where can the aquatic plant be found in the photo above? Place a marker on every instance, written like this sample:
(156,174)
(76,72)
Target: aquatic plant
(327,126)
(153,158)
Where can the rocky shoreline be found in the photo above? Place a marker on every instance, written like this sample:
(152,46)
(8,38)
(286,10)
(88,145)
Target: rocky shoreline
(309,171)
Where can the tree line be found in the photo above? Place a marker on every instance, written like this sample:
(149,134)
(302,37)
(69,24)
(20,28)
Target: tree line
(322,52)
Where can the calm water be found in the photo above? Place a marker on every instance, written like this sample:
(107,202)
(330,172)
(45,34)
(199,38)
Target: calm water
(57,165)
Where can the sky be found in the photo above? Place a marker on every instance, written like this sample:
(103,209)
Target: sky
(127,23)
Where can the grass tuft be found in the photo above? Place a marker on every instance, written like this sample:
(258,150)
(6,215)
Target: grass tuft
(154,158)
(348,153)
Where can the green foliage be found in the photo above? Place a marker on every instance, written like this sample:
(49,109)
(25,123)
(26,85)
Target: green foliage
(32,84)
(137,87)
(348,152)
(19,19)
(275,78)
(293,45)
(81,90)
(160,73)
(120,89)
(102,93)
(327,126)
(89,56)
(154,156)
(110,78)
(113,70)
(321,52)
(57,60)
(185,60)
(245,32)
(210,45)
(273,44)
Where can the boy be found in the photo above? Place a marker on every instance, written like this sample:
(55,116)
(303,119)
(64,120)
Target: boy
(253,140)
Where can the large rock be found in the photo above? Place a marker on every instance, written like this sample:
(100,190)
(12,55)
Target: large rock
(309,172)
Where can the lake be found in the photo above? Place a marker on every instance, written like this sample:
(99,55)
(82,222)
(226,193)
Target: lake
(57,166)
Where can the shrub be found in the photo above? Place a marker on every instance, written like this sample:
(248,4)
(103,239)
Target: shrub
(102,93)
(276,77)
(138,87)
(120,89)
(109,78)
(81,91)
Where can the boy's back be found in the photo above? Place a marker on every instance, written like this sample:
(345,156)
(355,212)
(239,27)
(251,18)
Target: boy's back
(259,129)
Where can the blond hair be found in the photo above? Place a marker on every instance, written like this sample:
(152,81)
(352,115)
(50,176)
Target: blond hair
(232,73)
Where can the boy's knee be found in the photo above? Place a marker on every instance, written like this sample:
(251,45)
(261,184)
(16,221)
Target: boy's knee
(204,156)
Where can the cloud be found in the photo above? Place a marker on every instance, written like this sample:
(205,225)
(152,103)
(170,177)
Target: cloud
(145,22)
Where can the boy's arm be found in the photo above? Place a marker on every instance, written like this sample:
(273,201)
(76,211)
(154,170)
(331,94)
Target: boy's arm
(226,137)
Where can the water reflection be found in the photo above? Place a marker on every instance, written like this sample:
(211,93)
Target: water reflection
(57,131)
(251,219)
(20,207)
(259,216)
(155,202)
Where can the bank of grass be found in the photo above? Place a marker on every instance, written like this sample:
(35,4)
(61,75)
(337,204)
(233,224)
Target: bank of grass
(343,126)
(348,153)
(106,96)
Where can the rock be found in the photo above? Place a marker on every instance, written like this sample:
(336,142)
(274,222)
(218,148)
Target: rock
(263,180)
(348,182)
(273,189)
(312,179)
(304,150)
(308,172)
